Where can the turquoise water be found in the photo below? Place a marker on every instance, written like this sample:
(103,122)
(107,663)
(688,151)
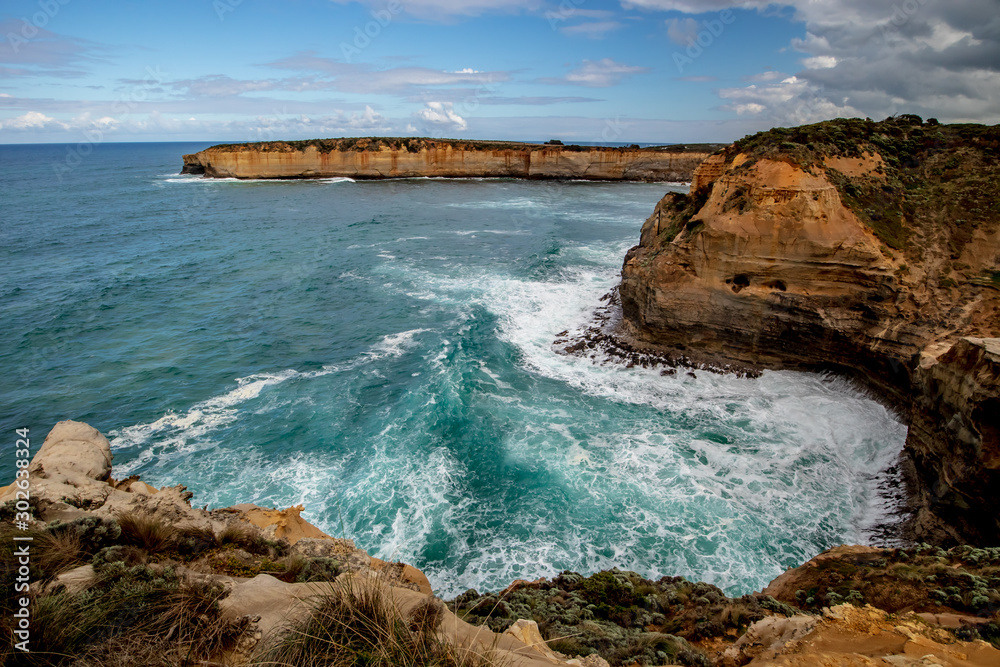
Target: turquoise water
(381,352)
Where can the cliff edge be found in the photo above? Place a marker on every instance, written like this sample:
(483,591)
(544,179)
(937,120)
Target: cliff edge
(863,247)
(117,572)
(387,157)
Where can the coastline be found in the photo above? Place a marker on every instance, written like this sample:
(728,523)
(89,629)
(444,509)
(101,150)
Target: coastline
(268,569)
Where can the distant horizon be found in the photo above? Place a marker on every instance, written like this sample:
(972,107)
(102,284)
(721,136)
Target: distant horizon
(582,71)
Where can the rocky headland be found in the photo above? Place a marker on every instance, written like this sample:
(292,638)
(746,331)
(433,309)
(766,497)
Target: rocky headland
(124,573)
(871,249)
(867,248)
(386,157)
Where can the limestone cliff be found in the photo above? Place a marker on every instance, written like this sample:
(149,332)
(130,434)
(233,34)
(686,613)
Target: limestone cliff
(870,248)
(376,158)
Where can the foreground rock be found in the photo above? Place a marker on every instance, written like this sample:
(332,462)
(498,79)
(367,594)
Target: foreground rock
(850,636)
(125,573)
(847,605)
(381,157)
(868,248)
(256,571)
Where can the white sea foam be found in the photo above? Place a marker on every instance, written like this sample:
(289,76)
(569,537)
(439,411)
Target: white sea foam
(586,464)
(501,232)
(198,178)
(500,203)
(789,467)
(176,434)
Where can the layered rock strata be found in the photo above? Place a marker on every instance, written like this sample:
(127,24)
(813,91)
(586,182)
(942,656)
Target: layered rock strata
(408,158)
(869,248)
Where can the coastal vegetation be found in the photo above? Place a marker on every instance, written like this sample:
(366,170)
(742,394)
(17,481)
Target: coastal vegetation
(416,144)
(931,174)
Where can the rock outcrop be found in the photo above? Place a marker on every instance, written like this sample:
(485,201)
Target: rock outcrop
(955,435)
(377,158)
(869,248)
(125,553)
(233,554)
(849,636)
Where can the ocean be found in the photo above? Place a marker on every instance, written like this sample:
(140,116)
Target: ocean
(381,352)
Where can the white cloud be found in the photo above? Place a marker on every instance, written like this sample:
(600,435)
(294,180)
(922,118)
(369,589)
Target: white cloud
(820,62)
(592,29)
(927,57)
(792,101)
(443,10)
(33,120)
(331,74)
(442,116)
(766,77)
(598,74)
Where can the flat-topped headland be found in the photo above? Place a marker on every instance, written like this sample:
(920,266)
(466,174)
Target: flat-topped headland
(388,157)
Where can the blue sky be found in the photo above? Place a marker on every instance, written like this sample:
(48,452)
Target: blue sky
(578,70)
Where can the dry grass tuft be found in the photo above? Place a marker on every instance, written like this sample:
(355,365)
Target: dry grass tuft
(246,536)
(58,551)
(146,531)
(358,623)
(137,615)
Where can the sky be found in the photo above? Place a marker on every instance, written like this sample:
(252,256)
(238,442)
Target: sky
(659,71)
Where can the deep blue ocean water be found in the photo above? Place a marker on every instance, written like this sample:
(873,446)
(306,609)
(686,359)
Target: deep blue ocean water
(381,352)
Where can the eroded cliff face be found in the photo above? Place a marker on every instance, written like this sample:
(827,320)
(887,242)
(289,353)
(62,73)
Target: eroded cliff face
(955,436)
(851,257)
(440,159)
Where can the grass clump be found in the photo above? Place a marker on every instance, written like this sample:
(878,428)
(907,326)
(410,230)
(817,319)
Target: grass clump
(246,536)
(358,623)
(146,531)
(132,615)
